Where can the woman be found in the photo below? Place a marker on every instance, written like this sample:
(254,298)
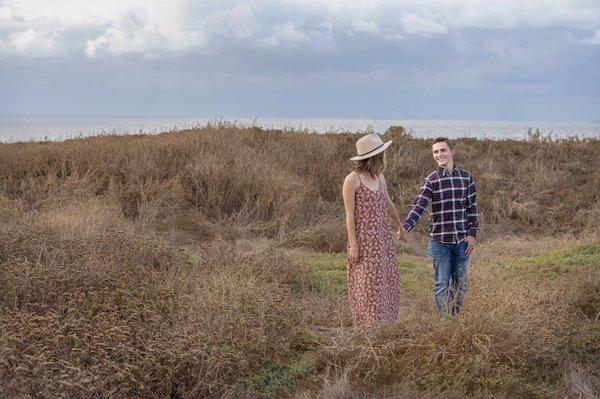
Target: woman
(373,278)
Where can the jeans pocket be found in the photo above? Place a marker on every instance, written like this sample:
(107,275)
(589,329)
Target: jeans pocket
(436,249)
(461,255)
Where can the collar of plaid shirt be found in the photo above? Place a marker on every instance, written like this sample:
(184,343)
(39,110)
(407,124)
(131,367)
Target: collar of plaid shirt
(445,172)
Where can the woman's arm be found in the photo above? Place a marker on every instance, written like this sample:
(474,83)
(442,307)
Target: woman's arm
(348,191)
(392,210)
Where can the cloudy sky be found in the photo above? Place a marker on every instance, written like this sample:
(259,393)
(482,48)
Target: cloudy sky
(471,59)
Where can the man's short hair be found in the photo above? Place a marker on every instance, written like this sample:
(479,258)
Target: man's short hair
(443,139)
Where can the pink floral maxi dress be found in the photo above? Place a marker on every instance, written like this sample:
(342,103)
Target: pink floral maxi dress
(373,280)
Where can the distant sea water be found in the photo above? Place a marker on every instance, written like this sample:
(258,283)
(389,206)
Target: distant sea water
(15,128)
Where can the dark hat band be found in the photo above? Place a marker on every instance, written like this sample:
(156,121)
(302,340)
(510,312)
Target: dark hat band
(374,149)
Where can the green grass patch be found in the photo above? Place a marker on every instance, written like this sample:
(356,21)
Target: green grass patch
(273,378)
(329,270)
(553,264)
(193,260)
(414,276)
(585,344)
(326,261)
(431,380)
(520,381)
(305,340)
(517,380)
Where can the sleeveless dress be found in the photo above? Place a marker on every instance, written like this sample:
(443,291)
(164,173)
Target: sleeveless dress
(373,279)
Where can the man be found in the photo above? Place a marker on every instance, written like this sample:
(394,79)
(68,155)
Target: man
(453,225)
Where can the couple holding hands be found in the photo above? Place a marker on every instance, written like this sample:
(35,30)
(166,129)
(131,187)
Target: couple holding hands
(373,277)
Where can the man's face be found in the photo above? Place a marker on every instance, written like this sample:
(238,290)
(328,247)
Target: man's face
(442,154)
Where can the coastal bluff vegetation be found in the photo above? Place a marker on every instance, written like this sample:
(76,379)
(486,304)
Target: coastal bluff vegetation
(209,262)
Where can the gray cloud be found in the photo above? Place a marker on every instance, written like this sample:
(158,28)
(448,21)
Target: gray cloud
(153,29)
(396,59)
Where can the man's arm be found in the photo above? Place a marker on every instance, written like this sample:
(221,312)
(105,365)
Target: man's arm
(419,205)
(472,215)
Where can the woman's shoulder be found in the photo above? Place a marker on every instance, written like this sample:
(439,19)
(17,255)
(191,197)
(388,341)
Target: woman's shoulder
(352,178)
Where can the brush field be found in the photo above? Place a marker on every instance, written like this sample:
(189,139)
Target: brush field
(209,263)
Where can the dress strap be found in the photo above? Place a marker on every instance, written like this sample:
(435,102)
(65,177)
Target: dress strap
(378,180)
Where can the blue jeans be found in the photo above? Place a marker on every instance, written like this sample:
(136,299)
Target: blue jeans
(450,275)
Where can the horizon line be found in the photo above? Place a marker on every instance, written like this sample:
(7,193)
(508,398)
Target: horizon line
(233,119)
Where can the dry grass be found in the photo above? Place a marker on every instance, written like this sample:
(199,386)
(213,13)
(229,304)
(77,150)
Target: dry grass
(511,333)
(232,183)
(115,314)
(176,266)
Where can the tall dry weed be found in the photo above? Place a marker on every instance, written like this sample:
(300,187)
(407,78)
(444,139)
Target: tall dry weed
(287,184)
(116,314)
(514,334)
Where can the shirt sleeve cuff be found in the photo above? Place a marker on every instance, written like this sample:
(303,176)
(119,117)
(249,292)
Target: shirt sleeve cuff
(473,232)
(407,227)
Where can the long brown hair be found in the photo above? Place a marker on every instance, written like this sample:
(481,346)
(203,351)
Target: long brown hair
(373,165)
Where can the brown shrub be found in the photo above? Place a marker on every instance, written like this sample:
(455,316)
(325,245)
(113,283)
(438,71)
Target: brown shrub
(119,314)
(510,326)
(276,183)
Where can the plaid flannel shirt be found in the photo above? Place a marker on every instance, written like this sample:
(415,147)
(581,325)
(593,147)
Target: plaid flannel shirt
(453,206)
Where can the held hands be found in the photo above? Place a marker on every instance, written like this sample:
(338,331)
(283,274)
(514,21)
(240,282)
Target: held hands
(401,233)
(471,243)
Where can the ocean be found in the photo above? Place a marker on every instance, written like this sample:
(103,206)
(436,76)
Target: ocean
(14,128)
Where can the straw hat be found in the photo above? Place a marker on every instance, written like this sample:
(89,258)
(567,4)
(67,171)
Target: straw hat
(369,145)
